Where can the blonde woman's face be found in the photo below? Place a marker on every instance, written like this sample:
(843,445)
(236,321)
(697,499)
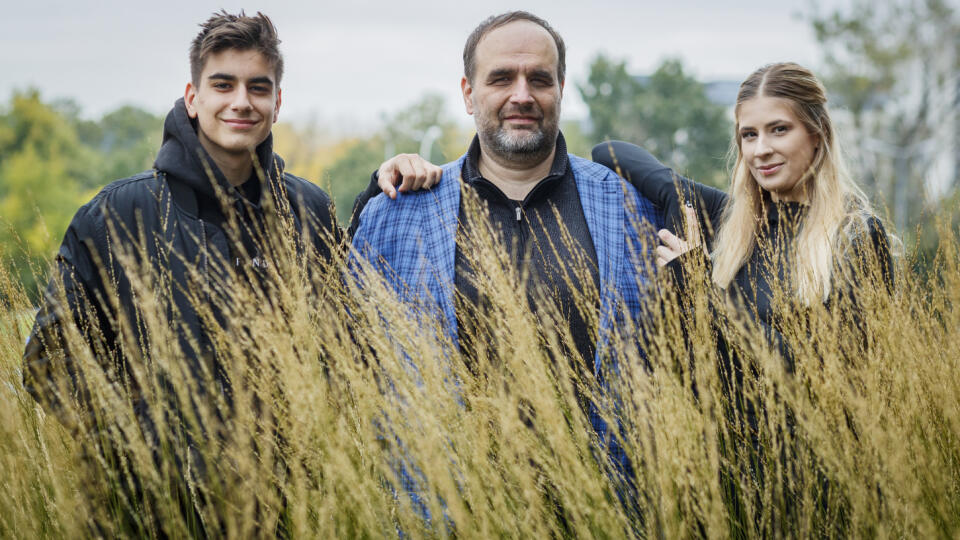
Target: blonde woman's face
(776,146)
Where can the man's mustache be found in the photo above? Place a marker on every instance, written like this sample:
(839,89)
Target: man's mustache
(526,110)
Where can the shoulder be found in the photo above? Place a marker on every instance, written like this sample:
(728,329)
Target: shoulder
(304,193)
(584,168)
(869,247)
(311,193)
(130,189)
(863,227)
(408,206)
(130,201)
(875,227)
(876,236)
(866,233)
(122,197)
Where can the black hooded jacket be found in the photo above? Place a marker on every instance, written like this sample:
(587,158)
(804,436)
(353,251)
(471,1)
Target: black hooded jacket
(174,220)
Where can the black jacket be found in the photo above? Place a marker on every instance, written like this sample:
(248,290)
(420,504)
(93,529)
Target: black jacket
(175,224)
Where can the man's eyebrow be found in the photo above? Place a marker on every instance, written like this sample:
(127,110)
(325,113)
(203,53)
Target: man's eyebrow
(542,73)
(500,72)
(261,80)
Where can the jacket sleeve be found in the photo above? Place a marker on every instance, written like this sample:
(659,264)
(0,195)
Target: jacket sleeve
(880,244)
(661,185)
(52,373)
(867,266)
(361,201)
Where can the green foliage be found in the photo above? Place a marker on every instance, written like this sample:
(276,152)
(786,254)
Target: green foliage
(127,140)
(579,142)
(40,156)
(403,132)
(668,113)
(350,174)
(50,162)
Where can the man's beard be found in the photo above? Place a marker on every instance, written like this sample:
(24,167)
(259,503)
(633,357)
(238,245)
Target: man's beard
(519,146)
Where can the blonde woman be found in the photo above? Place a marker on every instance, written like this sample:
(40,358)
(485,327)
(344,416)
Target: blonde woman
(793,217)
(793,222)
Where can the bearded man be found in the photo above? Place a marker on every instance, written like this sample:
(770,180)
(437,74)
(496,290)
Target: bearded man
(559,218)
(533,191)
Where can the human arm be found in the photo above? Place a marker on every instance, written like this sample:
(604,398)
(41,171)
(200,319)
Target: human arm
(667,190)
(70,323)
(865,266)
(880,245)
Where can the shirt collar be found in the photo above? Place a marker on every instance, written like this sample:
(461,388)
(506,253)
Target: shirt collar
(471,166)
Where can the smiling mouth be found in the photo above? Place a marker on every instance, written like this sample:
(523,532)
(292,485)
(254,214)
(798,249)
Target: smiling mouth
(240,124)
(769,170)
(521,120)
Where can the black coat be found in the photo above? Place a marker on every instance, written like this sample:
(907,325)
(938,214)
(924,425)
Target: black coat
(174,220)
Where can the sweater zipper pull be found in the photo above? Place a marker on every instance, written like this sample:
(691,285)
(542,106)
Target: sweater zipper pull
(518,214)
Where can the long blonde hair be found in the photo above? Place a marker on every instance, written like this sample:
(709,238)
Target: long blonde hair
(836,204)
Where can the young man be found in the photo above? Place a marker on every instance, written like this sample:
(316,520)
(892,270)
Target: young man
(215,210)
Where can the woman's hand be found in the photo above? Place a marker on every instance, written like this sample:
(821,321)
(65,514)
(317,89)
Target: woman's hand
(410,171)
(672,246)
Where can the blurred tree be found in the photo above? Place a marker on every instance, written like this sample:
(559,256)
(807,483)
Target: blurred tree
(423,127)
(41,158)
(578,139)
(894,66)
(51,161)
(668,113)
(302,150)
(350,173)
(127,141)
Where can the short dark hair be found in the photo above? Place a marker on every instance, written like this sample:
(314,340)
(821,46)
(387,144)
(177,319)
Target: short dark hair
(496,21)
(224,31)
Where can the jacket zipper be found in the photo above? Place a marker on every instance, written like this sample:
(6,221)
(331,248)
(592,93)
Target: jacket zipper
(203,247)
(521,238)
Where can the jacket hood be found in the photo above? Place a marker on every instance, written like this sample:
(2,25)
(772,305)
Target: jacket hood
(181,154)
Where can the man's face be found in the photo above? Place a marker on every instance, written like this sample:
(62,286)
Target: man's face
(515,94)
(235,103)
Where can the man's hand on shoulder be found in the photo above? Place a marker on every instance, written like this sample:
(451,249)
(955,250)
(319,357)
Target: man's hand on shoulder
(407,172)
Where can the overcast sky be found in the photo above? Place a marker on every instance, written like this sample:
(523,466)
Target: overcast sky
(347,62)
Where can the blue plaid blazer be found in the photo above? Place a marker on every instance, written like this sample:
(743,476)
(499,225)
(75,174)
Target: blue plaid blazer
(412,241)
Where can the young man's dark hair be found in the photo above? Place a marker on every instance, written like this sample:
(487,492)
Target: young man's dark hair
(225,31)
(496,21)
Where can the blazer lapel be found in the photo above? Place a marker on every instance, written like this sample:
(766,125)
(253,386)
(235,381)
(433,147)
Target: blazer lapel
(602,203)
(440,209)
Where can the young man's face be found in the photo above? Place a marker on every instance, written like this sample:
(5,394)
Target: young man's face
(235,102)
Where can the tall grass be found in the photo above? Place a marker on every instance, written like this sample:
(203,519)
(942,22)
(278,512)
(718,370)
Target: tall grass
(341,398)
